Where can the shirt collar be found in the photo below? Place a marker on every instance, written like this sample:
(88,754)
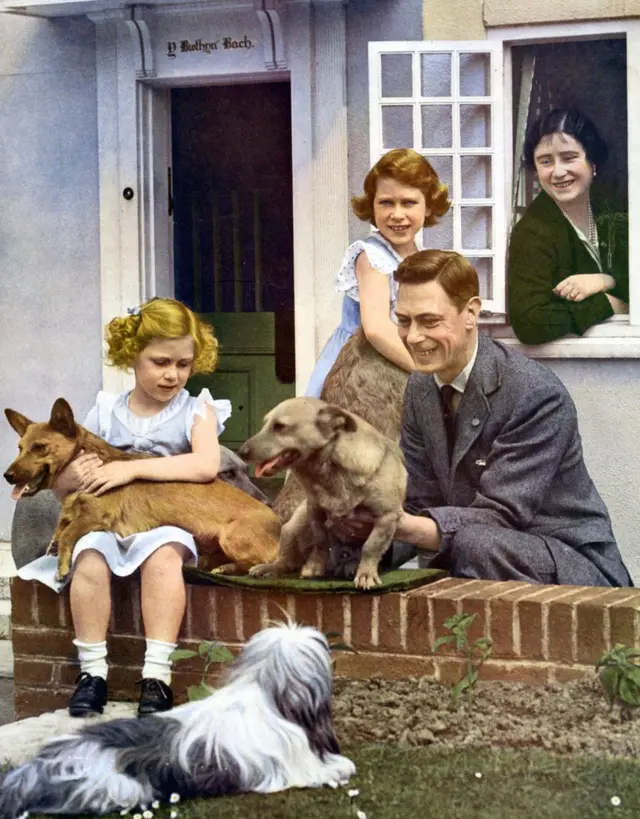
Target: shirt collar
(459,383)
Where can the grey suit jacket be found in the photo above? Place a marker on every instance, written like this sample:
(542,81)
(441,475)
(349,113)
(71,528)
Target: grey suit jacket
(517,460)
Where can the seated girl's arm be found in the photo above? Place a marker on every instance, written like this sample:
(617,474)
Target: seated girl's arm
(377,324)
(201,465)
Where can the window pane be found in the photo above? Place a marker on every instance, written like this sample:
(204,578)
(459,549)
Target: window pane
(396,75)
(476,177)
(437,129)
(475,126)
(435,71)
(397,126)
(484,268)
(441,234)
(475,75)
(476,228)
(443,166)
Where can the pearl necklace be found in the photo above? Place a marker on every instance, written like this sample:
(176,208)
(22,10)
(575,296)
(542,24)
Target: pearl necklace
(592,233)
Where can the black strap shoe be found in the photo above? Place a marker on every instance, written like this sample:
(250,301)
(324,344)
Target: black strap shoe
(90,695)
(155,697)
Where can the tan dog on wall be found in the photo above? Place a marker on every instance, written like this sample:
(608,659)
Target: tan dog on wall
(343,464)
(233,531)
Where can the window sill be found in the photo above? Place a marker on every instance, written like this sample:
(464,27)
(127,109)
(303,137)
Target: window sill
(614,338)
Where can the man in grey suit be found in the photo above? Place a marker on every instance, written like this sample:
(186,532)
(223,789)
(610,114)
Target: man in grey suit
(498,487)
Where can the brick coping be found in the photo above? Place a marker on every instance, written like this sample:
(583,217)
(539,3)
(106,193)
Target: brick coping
(540,633)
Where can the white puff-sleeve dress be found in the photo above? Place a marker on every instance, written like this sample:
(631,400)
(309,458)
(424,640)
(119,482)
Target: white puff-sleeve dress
(166,433)
(382,257)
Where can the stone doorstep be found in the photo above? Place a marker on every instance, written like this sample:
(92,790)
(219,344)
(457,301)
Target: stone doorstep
(5,620)
(6,660)
(21,740)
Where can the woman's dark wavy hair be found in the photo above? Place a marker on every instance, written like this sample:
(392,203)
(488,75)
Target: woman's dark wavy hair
(573,123)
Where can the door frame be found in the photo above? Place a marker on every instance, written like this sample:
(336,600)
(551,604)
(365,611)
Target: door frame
(134,149)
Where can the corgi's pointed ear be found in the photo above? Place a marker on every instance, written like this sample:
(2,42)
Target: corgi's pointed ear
(18,422)
(62,418)
(331,420)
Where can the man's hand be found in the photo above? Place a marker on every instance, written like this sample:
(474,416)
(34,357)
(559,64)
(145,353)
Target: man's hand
(75,476)
(109,476)
(355,528)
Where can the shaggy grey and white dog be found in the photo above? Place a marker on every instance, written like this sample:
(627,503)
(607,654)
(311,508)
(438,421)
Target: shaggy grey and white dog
(269,728)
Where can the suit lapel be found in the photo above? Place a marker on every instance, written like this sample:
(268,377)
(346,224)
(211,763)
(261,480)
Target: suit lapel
(473,409)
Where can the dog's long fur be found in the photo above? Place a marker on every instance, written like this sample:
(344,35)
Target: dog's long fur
(269,728)
(233,531)
(365,383)
(343,463)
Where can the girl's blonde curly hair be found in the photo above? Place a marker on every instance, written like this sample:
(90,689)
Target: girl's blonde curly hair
(410,168)
(127,336)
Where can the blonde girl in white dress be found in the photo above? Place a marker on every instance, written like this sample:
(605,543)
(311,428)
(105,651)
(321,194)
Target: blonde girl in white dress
(164,343)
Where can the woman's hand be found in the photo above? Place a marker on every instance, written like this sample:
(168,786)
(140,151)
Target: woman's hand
(75,476)
(108,476)
(582,285)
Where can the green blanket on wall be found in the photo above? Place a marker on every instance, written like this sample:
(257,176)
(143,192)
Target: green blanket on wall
(398,580)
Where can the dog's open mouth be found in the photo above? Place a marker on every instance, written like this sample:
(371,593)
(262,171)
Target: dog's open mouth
(268,468)
(24,490)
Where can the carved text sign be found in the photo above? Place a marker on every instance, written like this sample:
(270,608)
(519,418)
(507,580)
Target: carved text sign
(177,48)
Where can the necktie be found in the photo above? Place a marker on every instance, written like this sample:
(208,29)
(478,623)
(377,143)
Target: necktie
(448,410)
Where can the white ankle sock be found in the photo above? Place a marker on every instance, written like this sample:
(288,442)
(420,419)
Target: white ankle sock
(157,664)
(93,658)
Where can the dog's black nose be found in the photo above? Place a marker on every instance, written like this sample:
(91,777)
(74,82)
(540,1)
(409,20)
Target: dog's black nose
(9,477)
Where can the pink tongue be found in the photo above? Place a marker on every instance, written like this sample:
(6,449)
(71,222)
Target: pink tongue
(268,468)
(18,491)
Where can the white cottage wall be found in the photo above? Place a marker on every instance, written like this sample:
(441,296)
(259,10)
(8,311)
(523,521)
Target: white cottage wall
(50,333)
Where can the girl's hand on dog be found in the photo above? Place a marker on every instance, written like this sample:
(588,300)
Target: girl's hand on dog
(76,475)
(108,476)
(355,527)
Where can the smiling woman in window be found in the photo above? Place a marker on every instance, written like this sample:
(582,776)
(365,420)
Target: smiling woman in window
(568,255)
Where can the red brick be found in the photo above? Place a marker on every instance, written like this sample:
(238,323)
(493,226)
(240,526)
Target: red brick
(125,606)
(388,666)
(48,606)
(123,682)
(277,607)
(560,621)
(361,621)
(31,702)
(624,624)
(475,603)
(564,674)
(253,604)
(389,622)
(201,622)
(307,610)
(23,602)
(333,614)
(592,626)
(33,672)
(126,650)
(419,625)
(67,673)
(450,670)
(531,621)
(226,602)
(510,671)
(447,584)
(502,634)
(35,642)
(442,609)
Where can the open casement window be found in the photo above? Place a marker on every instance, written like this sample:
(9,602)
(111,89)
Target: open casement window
(444,99)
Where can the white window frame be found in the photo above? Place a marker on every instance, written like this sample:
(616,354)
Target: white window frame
(619,336)
(494,307)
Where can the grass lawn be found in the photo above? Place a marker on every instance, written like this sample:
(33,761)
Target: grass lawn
(426,783)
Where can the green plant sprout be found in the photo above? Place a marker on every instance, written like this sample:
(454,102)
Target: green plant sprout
(459,625)
(211,651)
(619,674)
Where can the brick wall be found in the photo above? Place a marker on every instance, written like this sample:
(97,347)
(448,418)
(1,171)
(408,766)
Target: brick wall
(540,633)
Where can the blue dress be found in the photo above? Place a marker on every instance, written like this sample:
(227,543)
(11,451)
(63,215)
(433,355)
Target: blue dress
(168,432)
(384,258)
